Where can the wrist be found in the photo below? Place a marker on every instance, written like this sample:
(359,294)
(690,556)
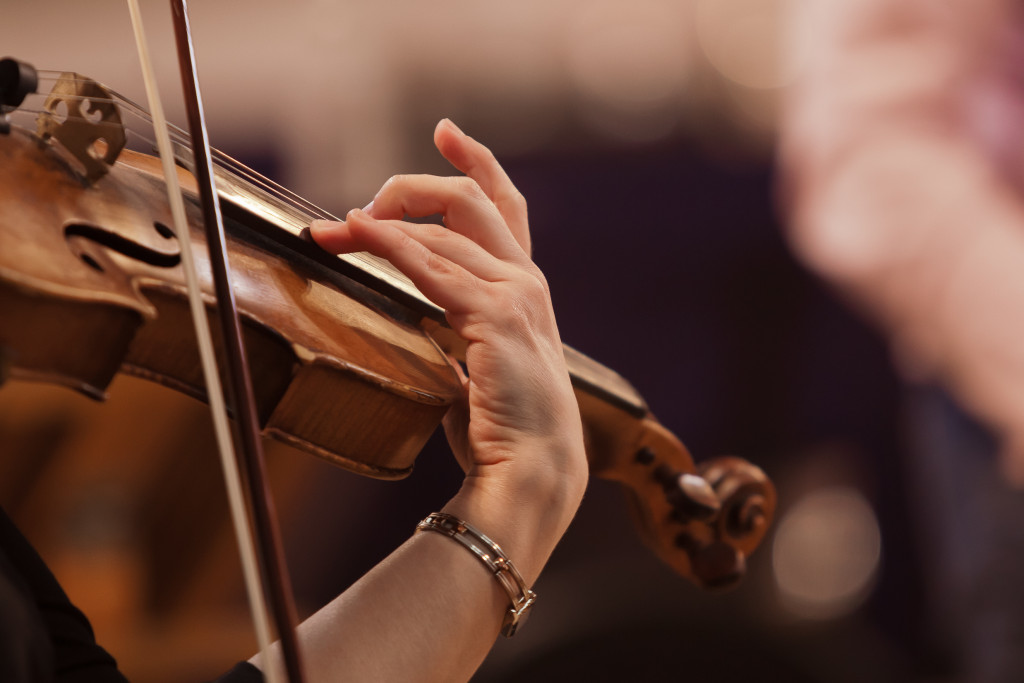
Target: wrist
(525,509)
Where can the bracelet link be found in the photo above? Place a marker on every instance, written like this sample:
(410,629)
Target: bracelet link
(520,595)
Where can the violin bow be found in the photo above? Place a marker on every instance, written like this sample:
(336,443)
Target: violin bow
(259,543)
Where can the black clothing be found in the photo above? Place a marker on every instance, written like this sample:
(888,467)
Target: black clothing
(244,672)
(43,637)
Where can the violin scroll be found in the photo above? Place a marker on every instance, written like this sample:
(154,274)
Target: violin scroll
(748,499)
(747,505)
(704,520)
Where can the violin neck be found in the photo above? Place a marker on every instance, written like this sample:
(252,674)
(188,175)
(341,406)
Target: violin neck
(285,221)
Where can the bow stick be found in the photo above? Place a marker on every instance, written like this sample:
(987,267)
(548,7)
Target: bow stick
(259,545)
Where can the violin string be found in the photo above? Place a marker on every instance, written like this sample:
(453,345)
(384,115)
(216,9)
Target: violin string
(224,161)
(305,209)
(232,165)
(227,162)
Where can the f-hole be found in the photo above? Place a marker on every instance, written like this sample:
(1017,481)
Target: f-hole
(123,245)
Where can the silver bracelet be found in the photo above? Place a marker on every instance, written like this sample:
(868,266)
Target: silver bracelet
(492,556)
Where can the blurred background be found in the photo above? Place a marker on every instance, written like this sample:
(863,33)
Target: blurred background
(641,134)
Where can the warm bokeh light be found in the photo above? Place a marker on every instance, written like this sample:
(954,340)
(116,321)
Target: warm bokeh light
(339,112)
(631,64)
(826,553)
(741,39)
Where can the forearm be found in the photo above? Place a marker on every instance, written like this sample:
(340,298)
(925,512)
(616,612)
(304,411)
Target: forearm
(400,621)
(431,611)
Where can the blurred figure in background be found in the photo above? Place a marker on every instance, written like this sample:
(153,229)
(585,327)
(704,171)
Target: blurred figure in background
(901,149)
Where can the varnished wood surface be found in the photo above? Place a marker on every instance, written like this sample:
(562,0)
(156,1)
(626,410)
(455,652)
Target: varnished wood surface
(304,334)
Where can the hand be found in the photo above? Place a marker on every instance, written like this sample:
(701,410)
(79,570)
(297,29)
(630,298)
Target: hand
(517,432)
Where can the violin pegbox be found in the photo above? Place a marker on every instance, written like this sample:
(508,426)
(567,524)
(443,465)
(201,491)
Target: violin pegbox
(702,520)
(82,116)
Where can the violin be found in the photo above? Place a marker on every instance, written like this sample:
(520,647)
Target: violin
(91,285)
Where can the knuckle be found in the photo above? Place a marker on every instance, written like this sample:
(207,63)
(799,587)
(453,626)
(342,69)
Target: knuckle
(434,232)
(404,242)
(468,187)
(527,303)
(393,184)
(440,266)
(538,288)
(519,201)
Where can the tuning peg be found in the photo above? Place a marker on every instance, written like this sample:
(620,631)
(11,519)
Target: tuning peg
(694,497)
(714,565)
(718,565)
(690,496)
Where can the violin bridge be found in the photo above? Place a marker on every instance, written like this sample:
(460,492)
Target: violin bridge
(81,114)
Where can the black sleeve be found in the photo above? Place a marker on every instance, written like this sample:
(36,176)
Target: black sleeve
(43,637)
(58,642)
(244,672)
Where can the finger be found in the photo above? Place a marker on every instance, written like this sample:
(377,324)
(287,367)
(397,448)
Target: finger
(337,237)
(466,209)
(419,254)
(479,163)
(331,236)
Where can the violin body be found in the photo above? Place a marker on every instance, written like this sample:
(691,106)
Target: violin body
(91,284)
